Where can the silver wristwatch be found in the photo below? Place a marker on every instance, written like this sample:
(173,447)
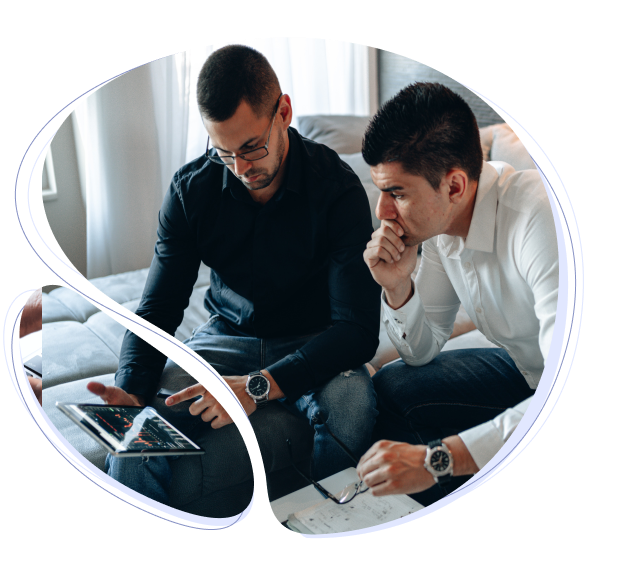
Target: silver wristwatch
(439,462)
(258,387)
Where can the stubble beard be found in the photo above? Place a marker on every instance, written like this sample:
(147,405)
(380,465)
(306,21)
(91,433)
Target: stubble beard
(267,179)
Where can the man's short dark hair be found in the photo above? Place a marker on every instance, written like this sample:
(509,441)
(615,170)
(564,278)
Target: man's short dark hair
(232,74)
(429,129)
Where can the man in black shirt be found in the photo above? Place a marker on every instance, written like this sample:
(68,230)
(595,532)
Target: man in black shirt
(283,224)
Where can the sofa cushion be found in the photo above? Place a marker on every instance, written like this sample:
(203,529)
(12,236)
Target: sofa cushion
(70,351)
(53,309)
(505,146)
(342,133)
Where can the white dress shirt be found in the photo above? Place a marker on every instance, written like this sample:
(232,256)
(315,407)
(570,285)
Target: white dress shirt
(506,276)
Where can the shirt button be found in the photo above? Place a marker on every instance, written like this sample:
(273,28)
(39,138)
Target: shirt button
(478,310)
(467,265)
(524,373)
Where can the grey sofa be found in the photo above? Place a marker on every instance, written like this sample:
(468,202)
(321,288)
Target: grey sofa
(81,344)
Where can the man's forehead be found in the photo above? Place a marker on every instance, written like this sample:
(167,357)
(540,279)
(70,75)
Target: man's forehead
(242,127)
(392,176)
(388,173)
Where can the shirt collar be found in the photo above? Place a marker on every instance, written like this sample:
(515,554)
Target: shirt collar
(292,180)
(482,227)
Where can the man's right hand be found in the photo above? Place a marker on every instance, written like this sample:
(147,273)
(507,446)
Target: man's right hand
(391,263)
(115,396)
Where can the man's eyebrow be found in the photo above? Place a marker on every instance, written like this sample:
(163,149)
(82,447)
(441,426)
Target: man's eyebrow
(245,144)
(391,189)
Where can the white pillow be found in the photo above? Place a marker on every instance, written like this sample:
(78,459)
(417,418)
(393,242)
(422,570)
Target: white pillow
(362,170)
(505,146)
(486,140)
(342,133)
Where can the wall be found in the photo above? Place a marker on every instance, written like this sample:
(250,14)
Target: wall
(396,72)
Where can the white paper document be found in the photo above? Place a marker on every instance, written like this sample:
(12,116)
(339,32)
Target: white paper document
(364,511)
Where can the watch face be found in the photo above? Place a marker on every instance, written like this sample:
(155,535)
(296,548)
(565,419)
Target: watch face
(439,461)
(258,386)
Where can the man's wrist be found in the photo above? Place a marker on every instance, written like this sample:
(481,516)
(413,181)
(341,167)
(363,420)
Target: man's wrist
(464,464)
(399,295)
(275,391)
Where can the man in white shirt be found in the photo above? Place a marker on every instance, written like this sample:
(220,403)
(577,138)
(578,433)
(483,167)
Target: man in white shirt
(489,243)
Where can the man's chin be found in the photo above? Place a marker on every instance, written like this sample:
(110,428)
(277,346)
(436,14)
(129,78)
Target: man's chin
(410,241)
(255,185)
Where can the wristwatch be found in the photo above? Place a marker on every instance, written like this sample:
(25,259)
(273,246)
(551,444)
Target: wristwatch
(258,387)
(439,462)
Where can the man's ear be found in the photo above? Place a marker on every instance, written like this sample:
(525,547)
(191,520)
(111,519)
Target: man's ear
(457,182)
(285,110)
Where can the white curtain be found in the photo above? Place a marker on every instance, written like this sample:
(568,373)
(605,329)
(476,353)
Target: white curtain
(136,131)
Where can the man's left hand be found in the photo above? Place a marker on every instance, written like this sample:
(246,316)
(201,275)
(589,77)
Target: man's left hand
(394,468)
(208,407)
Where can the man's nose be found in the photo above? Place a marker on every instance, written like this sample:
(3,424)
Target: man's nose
(241,166)
(385,207)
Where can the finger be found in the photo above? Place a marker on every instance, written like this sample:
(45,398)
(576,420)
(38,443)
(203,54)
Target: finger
(186,394)
(380,254)
(209,414)
(395,250)
(389,233)
(392,225)
(108,394)
(198,406)
(369,453)
(222,419)
(96,388)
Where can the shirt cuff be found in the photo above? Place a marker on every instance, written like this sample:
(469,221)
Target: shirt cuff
(400,321)
(485,440)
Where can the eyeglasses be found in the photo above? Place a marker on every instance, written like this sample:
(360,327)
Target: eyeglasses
(349,493)
(253,155)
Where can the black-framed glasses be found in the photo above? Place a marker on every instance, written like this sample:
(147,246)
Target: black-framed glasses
(253,155)
(351,491)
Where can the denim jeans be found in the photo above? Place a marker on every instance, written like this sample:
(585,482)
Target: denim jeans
(455,391)
(347,404)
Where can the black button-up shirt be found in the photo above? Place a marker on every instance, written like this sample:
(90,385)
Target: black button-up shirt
(291,267)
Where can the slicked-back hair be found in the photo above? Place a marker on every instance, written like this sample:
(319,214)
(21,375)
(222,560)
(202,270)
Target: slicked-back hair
(427,128)
(232,74)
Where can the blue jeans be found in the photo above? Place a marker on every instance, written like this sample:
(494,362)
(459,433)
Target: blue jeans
(347,404)
(455,391)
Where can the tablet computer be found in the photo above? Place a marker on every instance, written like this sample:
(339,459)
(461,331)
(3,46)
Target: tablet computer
(130,430)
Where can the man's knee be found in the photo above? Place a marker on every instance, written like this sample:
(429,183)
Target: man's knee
(349,389)
(351,393)
(389,384)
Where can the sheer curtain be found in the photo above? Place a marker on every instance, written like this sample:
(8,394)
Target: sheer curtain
(136,131)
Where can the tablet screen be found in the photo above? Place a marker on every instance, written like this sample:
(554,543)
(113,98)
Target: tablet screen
(132,429)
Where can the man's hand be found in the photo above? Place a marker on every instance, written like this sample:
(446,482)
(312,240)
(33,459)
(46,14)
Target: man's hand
(208,407)
(31,315)
(394,468)
(398,468)
(115,396)
(391,263)
(37,387)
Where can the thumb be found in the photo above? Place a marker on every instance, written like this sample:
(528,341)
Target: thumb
(96,388)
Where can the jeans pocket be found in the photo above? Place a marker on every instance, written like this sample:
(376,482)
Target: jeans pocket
(204,329)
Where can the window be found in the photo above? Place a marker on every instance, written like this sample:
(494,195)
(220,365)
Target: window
(48,183)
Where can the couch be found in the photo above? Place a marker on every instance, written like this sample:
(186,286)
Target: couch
(81,344)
